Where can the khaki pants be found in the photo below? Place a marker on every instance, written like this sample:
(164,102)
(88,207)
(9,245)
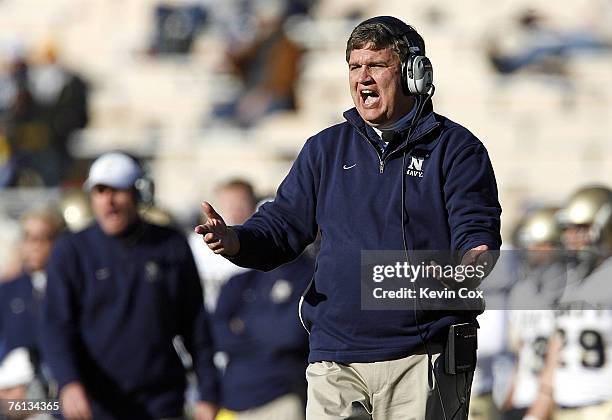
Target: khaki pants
(482,407)
(593,412)
(402,389)
(287,407)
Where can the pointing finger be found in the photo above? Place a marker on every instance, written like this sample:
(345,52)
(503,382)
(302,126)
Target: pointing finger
(209,211)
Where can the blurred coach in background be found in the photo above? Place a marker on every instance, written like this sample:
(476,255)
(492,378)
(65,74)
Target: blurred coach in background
(21,374)
(118,293)
(393,176)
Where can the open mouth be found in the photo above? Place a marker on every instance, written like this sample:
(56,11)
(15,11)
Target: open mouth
(369,97)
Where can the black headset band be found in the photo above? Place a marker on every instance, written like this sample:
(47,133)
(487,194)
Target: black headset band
(399,29)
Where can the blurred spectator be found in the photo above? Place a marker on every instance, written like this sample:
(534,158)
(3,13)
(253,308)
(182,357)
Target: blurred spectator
(541,47)
(341,9)
(119,292)
(26,134)
(176,27)
(7,164)
(256,326)
(237,198)
(43,105)
(10,248)
(263,367)
(266,64)
(62,96)
(20,369)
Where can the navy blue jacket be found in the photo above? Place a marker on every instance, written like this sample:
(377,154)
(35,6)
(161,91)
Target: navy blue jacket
(18,308)
(342,184)
(112,309)
(256,324)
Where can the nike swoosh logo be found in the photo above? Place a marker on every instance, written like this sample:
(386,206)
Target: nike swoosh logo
(349,167)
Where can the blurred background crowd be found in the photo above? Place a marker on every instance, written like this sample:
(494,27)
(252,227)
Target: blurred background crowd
(204,92)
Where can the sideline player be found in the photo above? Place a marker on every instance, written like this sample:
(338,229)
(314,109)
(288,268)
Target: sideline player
(578,373)
(531,303)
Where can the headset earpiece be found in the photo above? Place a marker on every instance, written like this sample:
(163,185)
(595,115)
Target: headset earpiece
(418,76)
(143,185)
(417,70)
(145,190)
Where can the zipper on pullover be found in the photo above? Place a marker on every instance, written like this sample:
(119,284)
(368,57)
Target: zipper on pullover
(381,161)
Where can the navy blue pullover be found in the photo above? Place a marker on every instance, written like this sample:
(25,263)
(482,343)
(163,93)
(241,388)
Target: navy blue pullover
(256,324)
(112,309)
(342,184)
(18,308)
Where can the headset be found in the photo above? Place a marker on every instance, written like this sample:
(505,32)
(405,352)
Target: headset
(417,70)
(143,185)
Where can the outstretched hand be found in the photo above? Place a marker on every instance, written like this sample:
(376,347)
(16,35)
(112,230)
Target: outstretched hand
(220,238)
(479,256)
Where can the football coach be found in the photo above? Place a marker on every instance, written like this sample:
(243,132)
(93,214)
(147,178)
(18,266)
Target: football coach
(393,176)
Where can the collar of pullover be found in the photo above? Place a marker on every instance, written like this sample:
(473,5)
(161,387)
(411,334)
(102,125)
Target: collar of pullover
(426,122)
(130,236)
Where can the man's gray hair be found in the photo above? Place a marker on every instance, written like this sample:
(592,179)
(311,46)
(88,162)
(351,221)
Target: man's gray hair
(377,36)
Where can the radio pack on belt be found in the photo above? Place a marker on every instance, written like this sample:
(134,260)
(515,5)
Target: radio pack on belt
(460,354)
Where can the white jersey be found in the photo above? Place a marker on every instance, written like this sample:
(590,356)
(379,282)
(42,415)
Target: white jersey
(491,342)
(214,270)
(529,330)
(531,323)
(584,374)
